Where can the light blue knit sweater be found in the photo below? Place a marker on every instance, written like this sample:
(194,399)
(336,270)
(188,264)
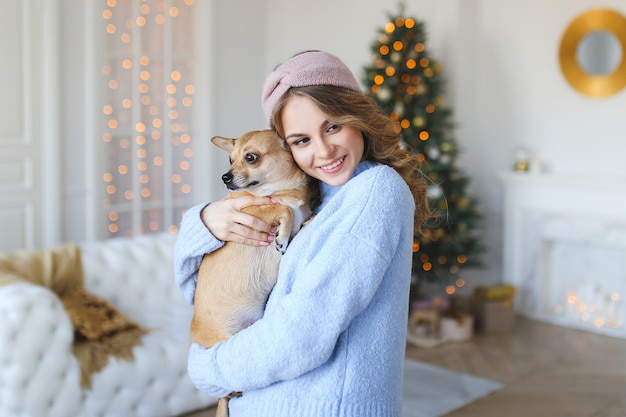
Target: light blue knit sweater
(332,340)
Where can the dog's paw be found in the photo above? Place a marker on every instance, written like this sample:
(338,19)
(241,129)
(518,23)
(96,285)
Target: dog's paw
(281,246)
(282,239)
(281,242)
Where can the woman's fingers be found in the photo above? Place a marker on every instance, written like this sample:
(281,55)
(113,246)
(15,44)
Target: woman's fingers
(226,221)
(249,236)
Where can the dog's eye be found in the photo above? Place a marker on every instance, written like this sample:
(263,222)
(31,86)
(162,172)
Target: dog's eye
(251,158)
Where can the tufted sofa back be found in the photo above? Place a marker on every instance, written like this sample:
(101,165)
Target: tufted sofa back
(132,273)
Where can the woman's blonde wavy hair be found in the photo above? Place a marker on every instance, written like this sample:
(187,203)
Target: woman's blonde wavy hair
(382,143)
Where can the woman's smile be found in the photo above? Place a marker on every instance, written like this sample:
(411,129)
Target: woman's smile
(331,167)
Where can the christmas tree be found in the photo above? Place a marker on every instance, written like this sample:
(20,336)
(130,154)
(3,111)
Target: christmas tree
(409,86)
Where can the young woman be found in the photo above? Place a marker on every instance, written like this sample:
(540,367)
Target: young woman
(332,339)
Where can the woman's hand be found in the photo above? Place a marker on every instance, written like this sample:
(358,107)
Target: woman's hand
(227,223)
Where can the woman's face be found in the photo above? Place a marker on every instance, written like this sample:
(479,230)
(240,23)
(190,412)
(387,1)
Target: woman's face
(323,150)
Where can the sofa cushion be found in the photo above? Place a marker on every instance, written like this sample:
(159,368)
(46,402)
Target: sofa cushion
(100,329)
(58,268)
(94,318)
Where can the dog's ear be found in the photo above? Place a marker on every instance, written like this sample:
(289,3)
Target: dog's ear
(225,144)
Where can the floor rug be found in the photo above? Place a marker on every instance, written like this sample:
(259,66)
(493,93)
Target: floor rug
(433,391)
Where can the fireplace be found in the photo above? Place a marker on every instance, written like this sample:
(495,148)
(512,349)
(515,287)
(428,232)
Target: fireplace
(565,250)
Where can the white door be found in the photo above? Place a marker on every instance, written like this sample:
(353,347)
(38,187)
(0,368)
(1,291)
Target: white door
(28,123)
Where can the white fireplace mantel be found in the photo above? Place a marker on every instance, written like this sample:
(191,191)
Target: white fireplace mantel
(565,249)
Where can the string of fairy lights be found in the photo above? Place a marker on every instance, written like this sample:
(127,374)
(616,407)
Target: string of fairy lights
(149,72)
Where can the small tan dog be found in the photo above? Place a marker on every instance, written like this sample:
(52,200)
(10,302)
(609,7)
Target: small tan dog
(235,281)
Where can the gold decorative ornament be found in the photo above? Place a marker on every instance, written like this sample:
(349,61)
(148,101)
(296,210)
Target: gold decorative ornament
(593,85)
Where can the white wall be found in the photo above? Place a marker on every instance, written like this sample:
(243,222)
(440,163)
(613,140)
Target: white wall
(504,84)
(74,81)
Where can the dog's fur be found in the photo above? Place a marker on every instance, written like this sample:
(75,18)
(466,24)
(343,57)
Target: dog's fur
(235,281)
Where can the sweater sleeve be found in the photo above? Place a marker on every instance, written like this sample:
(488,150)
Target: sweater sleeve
(300,331)
(193,241)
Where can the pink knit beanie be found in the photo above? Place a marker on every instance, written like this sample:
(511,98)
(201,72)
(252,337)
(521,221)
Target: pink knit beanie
(303,70)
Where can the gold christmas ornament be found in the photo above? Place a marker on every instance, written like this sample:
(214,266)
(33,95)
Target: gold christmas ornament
(463,202)
(419,121)
(521,161)
(384,94)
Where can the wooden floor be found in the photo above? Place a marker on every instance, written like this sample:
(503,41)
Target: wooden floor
(547,371)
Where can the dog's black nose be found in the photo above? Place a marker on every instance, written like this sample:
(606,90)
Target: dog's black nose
(227,178)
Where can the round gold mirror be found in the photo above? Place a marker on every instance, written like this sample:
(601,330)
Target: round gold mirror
(593,53)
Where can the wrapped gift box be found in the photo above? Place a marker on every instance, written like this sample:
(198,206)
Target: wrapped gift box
(457,327)
(493,309)
(493,317)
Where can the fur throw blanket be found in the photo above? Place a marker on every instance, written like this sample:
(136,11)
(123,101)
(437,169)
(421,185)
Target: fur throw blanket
(100,330)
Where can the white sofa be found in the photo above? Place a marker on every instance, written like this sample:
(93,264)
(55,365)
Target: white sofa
(39,376)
